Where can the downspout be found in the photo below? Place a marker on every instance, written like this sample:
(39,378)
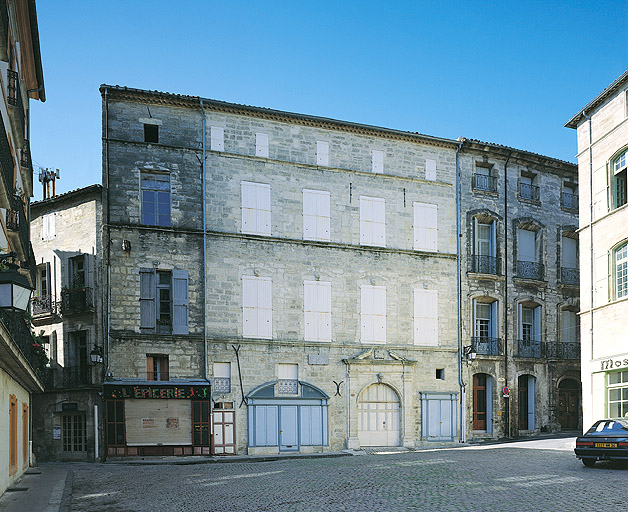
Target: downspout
(106,239)
(204,254)
(590,224)
(506,302)
(462,437)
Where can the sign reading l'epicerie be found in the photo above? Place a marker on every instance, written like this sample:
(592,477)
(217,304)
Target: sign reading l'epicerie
(158,392)
(612,364)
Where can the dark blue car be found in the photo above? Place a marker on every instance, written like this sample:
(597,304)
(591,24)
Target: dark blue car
(605,440)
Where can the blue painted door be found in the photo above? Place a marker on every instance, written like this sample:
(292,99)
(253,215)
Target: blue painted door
(288,433)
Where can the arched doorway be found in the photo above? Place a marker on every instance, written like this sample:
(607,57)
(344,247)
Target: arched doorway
(569,404)
(379,416)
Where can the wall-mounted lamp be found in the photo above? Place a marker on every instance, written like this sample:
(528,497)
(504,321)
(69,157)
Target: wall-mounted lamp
(96,355)
(126,246)
(469,354)
(15,290)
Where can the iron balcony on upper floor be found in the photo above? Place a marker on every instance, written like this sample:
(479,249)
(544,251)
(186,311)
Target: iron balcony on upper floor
(487,346)
(569,201)
(484,183)
(537,349)
(570,276)
(529,192)
(76,301)
(481,264)
(67,377)
(530,270)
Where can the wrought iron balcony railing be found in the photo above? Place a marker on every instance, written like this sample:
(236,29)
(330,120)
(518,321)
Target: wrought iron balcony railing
(569,201)
(20,333)
(221,385)
(564,350)
(75,301)
(487,346)
(67,377)
(44,306)
(531,348)
(569,275)
(7,174)
(530,270)
(16,112)
(485,264)
(530,192)
(18,229)
(287,387)
(484,182)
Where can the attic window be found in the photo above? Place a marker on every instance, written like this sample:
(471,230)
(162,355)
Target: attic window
(151,133)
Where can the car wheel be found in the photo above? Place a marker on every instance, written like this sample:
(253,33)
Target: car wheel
(588,462)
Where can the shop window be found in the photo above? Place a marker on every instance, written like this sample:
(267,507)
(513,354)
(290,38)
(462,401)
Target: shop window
(617,389)
(73,433)
(288,383)
(618,180)
(157,367)
(257,307)
(155,194)
(255,208)
(164,301)
(115,423)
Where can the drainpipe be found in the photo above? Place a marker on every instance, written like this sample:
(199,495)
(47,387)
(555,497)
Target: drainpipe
(106,241)
(204,254)
(590,223)
(458,294)
(506,302)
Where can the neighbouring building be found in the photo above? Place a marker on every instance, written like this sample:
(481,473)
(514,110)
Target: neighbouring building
(66,311)
(520,291)
(602,134)
(21,359)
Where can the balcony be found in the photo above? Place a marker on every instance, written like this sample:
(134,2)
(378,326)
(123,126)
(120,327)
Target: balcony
(486,346)
(20,334)
(485,265)
(529,192)
(67,377)
(26,168)
(564,350)
(569,201)
(18,230)
(530,270)
(16,107)
(7,178)
(570,276)
(484,183)
(42,306)
(76,301)
(531,348)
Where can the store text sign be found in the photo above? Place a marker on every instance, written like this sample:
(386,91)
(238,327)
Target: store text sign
(157,392)
(611,364)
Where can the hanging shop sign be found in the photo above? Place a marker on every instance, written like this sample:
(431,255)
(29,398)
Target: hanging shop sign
(149,392)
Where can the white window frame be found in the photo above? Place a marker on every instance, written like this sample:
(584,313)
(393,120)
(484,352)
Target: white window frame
(425,227)
(620,271)
(317,310)
(425,317)
(217,138)
(372,314)
(322,153)
(377,161)
(261,145)
(372,221)
(256,212)
(257,311)
(316,215)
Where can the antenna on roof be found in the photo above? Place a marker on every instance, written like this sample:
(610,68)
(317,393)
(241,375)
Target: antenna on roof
(46,177)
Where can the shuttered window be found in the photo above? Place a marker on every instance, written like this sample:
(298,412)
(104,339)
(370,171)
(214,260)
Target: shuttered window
(217,136)
(529,323)
(255,208)
(569,253)
(569,327)
(164,301)
(430,169)
(316,215)
(621,271)
(372,221)
(373,314)
(261,145)
(48,226)
(322,153)
(257,313)
(527,245)
(377,161)
(425,227)
(317,310)
(425,317)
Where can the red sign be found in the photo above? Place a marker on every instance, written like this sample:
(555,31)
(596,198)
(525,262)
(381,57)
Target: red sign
(506,391)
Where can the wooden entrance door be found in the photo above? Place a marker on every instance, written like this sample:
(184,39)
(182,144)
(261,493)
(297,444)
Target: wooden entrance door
(224,431)
(379,416)
(568,404)
(479,401)
(200,427)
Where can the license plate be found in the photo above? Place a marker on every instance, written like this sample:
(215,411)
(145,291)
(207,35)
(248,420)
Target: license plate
(606,445)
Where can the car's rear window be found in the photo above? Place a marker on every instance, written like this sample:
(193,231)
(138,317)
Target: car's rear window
(609,427)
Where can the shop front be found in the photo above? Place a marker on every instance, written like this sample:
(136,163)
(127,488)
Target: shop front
(165,418)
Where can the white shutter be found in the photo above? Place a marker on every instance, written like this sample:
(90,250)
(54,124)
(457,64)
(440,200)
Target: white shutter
(222,370)
(430,169)
(366,313)
(323,215)
(372,221)
(261,145)
(249,305)
(265,306)
(257,307)
(288,371)
(217,135)
(248,207)
(494,318)
(317,308)
(520,315)
(263,209)
(426,317)
(537,324)
(526,240)
(324,301)
(322,153)
(425,227)
(366,214)
(255,208)
(310,311)
(48,226)
(601,273)
(377,160)
(569,326)
(379,323)
(569,253)
(316,212)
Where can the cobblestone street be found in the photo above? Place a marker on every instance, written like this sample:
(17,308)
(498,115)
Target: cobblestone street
(502,477)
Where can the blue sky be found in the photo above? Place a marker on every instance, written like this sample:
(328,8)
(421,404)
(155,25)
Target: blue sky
(506,72)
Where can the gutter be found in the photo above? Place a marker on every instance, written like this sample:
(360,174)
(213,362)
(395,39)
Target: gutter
(584,114)
(462,436)
(204,251)
(506,300)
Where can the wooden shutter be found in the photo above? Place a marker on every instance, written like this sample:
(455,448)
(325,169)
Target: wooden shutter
(377,161)
(180,305)
(261,145)
(520,313)
(147,298)
(527,244)
(537,324)
(494,318)
(217,138)
(426,226)
(426,317)
(366,313)
(249,305)
(322,153)
(430,169)
(262,192)
(150,368)
(569,253)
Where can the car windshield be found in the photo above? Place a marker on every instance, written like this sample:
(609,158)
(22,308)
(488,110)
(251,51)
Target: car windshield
(609,428)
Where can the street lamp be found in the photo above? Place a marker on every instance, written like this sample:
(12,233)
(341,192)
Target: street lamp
(95,355)
(15,290)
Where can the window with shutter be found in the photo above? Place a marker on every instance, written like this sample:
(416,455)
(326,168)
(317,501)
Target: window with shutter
(217,136)
(317,310)
(425,227)
(620,268)
(322,153)
(316,215)
(222,378)
(372,221)
(261,145)
(180,302)
(377,161)
(48,226)
(288,379)
(373,314)
(527,242)
(425,317)
(255,208)
(430,169)
(164,301)
(257,307)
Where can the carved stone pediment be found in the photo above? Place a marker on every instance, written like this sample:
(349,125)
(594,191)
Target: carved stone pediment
(379,356)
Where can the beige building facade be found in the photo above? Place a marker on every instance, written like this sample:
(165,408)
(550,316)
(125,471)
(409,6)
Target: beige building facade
(602,134)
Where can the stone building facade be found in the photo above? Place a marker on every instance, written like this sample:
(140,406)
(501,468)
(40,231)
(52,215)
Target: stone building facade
(66,310)
(520,291)
(602,134)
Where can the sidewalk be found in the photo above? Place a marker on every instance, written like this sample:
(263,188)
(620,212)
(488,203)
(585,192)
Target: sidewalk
(45,488)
